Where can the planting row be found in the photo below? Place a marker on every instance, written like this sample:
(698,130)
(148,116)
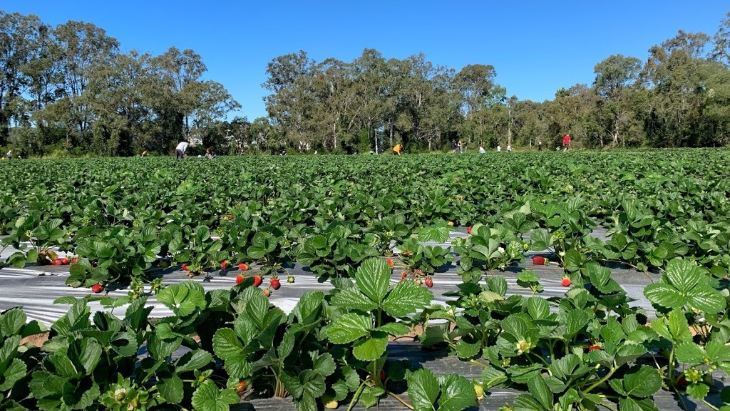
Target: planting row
(122,215)
(585,350)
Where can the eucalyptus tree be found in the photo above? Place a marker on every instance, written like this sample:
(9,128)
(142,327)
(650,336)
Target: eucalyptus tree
(615,77)
(81,48)
(118,102)
(291,104)
(674,73)
(20,37)
(476,86)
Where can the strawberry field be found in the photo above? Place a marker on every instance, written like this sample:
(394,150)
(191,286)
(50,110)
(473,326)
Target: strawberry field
(527,281)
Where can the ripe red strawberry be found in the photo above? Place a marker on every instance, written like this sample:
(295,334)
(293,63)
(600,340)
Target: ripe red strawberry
(65,261)
(390,263)
(402,279)
(241,386)
(429,282)
(566,282)
(185,267)
(97,288)
(538,260)
(275,284)
(468,230)
(594,348)
(224,264)
(404,274)
(240,278)
(290,279)
(57,261)
(230,216)
(75,260)
(257,280)
(267,292)
(242,267)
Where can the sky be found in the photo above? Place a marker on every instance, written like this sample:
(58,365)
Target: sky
(536,46)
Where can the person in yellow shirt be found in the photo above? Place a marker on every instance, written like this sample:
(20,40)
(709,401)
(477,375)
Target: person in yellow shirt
(397,149)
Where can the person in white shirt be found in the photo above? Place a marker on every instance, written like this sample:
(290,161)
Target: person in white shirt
(9,154)
(180,150)
(509,148)
(482,150)
(499,148)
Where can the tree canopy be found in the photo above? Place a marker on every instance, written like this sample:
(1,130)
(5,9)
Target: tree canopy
(69,88)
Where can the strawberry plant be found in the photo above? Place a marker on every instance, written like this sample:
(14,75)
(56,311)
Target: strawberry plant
(366,315)
(200,253)
(42,235)
(271,250)
(485,250)
(114,254)
(333,253)
(16,359)
(424,259)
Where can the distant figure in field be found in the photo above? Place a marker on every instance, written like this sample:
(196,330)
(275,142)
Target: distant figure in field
(144,153)
(9,154)
(453,145)
(539,145)
(460,147)
(509,148)
(482,150)
(397,149)
(209,154)
(499,148)
(180,150)
(566,142)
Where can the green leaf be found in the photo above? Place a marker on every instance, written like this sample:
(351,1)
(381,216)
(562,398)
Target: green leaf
(685,275)
(171,389)
(183,299)
(633,404)
(406,298)
(707,299)
(348,328)
(372,348)
(457,393)
(228,347)
(208,398)
(396,329)
(526,402)
(423,389)
(538,308)
(678,327)
(354,300)
(665,295)
(689,353)
(324,365)
(15,372)
(193,360)
(698,391)
(373,278)
(12,321)
(540,390)
(465,350)
(642,383)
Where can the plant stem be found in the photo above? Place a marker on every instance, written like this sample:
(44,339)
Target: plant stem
(602,380)
(402,401)
(703,400)
(356,396)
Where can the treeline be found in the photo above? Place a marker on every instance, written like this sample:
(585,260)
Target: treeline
(679,96)
(69,89)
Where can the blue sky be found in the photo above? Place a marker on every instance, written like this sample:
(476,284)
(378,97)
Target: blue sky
(536,46)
